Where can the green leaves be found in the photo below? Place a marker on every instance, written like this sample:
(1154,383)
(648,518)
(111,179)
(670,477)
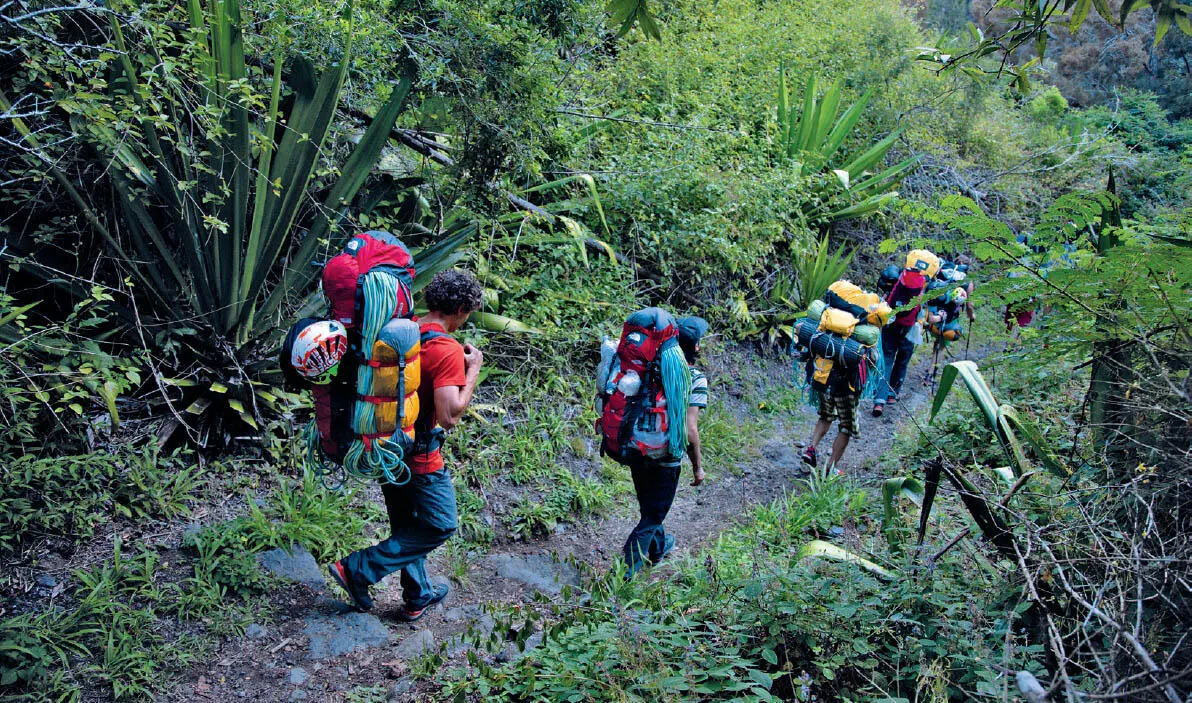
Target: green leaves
(812,135)
(813,274)
(1003,420)
(627,13)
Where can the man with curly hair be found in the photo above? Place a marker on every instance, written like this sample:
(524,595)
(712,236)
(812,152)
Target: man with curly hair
(422,513)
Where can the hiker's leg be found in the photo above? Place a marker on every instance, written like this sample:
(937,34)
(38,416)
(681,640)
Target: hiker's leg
(435,521)
(846,414)
(817,433)
(889,352)
(655,486)
(422,517)
(827,414)
(904,349)
(416,587)
(838,446)
(667,478)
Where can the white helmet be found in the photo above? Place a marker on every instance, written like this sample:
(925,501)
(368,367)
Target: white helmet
(318,349)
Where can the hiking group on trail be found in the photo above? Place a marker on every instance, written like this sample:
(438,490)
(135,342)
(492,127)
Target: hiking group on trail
(388,384)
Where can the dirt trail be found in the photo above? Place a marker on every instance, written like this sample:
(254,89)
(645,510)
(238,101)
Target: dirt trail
(318,650)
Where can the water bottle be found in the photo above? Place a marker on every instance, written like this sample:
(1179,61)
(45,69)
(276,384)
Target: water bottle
(608,352)
(630,383)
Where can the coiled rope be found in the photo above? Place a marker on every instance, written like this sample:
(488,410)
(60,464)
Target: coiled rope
(331,475)
(676,385)
(368,458)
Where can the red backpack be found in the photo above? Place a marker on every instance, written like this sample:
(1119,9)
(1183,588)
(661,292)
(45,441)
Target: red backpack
(632,405)
(910,285)
(343,285)
(343,275)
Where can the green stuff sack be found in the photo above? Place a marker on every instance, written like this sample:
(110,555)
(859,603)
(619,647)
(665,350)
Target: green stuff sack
(816,311)
(866,334)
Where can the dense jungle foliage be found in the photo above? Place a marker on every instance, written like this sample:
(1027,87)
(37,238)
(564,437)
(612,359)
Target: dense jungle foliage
(174,172)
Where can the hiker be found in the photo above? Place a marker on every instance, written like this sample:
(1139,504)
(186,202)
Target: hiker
(422,512)
(944,313)
(898,342)
(839,335)
(648,402)
(887,279)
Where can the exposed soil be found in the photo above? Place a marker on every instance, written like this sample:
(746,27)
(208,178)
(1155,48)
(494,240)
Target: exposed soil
(276,665)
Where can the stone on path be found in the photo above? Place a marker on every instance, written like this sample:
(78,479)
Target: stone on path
(298,676)
(478,623)
(513,653)
(403,686)
(336,635)
(783,457)
(296,565)
(254,631)
(417,644)
(537,571)
(472,616)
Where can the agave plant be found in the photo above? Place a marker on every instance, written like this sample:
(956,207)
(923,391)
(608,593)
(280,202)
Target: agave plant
(222,196)
(811,133)
(806,280)
(1005,422)
(984,509)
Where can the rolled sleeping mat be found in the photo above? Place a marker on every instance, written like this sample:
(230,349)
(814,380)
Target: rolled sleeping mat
(847,352)
(805,328)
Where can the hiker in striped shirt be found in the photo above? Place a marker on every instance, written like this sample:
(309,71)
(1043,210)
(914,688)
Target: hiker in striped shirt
(691,329)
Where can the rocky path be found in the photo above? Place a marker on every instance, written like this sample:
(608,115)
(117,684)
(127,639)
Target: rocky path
(320,650)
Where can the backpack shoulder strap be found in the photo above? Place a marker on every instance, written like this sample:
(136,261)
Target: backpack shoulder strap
(427,335)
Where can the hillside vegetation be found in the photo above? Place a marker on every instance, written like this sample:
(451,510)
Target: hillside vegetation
(174,173)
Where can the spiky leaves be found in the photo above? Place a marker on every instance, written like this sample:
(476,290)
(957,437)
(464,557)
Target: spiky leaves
(1003,420)
(811,133)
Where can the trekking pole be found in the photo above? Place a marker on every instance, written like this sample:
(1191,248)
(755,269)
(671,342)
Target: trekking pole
(968,338)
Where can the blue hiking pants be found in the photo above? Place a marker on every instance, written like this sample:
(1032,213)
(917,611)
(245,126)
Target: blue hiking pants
(656,485)
(897,351)
(422,516)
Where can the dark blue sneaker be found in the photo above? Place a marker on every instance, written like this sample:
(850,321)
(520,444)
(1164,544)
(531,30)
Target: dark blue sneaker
(668,545)
(408,614)
(358,594)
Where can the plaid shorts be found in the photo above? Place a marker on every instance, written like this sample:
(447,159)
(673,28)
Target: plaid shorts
(840,406)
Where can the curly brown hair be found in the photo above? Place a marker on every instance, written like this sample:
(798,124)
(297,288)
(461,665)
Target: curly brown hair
(451,292)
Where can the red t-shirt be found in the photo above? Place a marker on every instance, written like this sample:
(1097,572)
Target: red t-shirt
(442,366)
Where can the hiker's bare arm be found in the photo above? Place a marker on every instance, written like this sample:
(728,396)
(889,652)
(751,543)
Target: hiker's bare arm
(452,401)
(693,448)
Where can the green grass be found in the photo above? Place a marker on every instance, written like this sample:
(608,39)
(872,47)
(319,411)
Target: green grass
(751,619)
(71,496)
(111,637)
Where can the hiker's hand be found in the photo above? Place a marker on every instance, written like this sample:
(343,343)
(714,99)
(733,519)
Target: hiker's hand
(699,477)
(472,358)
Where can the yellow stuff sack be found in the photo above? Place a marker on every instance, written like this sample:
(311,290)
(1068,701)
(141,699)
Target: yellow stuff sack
(879,314)
(876,311)
(848,290)
(822,369)
(393,381)
(924,262)
(838,321)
